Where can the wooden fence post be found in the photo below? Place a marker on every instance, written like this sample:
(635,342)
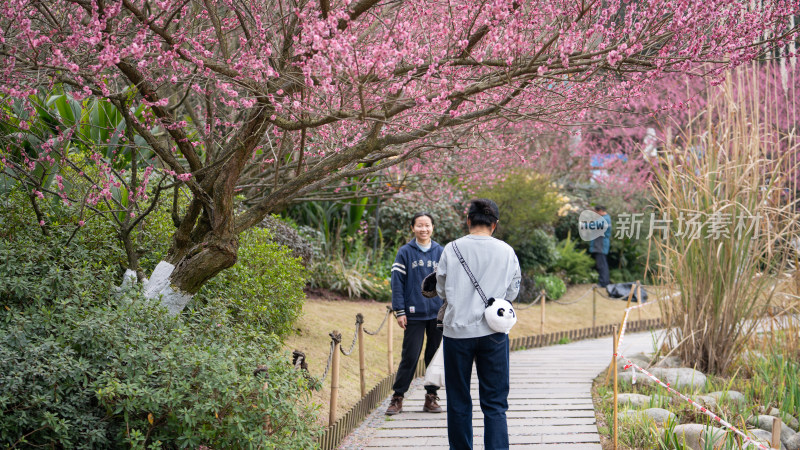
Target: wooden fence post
(362,366)
(389,333)
(639,297)
(544,299)
(594,307)
(616,391)
(630,296)
(337,339)
(776,433)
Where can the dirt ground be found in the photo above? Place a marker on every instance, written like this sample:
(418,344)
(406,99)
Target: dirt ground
(325,312)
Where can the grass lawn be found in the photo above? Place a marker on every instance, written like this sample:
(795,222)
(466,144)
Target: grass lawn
(323,315)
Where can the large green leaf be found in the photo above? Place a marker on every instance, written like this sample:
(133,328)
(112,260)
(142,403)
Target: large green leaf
(107,119)
(67,108)
(97,121)
(120,194)
(356,214)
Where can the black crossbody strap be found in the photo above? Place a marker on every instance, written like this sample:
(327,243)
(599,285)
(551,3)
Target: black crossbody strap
(471,276)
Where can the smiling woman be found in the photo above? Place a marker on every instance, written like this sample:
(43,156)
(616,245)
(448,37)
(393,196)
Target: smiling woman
(422,226)
(415,314)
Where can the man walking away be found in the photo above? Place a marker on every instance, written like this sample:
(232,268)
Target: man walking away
(599,247)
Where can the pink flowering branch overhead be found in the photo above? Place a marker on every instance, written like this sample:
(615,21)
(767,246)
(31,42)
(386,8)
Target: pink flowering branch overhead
(291,96)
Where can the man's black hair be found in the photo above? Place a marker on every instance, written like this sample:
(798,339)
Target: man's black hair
(484,212)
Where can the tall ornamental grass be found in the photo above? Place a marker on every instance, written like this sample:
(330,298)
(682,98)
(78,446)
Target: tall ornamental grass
(732,171)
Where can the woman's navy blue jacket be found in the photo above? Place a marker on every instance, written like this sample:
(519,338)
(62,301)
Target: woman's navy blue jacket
(410,267)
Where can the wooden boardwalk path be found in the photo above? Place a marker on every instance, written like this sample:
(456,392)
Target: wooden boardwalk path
(550,403)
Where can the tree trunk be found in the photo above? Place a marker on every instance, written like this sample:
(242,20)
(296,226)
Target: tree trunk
(176,279)
(204,261)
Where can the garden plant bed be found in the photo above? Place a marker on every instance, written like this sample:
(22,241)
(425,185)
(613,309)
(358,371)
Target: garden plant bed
(764,382)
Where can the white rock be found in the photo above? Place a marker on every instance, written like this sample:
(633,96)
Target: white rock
(672,362)
(680,378)
(793,443)
(706,400)
(640,359)
(660,416)
(765,423)
(763,437)
(642,356)
(788,420)
(729,396)
(633,400)
(695,435)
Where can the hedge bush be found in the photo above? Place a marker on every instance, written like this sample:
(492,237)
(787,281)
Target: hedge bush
(527,201)
(576,265)
(537,252)
(264,287)
(123,373)
(553,286)
(83,365)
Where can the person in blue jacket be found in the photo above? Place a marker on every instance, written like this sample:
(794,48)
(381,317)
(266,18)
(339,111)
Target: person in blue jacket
(600,246)
(415,313)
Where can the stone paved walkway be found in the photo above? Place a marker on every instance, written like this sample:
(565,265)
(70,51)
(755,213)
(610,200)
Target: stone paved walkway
(550,403)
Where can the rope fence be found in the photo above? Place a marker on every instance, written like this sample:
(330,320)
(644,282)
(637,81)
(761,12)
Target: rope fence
(339,428)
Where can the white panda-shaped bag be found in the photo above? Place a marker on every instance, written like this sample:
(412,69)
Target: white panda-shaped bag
(499,313)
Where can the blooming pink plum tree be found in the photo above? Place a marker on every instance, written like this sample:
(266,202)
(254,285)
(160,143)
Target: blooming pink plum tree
(284,97)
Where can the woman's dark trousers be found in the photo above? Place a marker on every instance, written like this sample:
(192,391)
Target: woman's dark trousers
(416,330)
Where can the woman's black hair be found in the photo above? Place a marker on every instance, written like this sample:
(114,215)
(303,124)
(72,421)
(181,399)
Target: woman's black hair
(421,214)
(484,212)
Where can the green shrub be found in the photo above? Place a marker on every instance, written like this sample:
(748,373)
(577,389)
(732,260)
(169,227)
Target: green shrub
(553,286)
(567,225)
(83,365)
(630,257)
(340,276)
(575,264)
(153,237)
(775,378)
(528,289)
(124,373)
(537,251)
(527,201)
(381,288)
(264,287)
(618,276)
(36,268)
(284,232)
